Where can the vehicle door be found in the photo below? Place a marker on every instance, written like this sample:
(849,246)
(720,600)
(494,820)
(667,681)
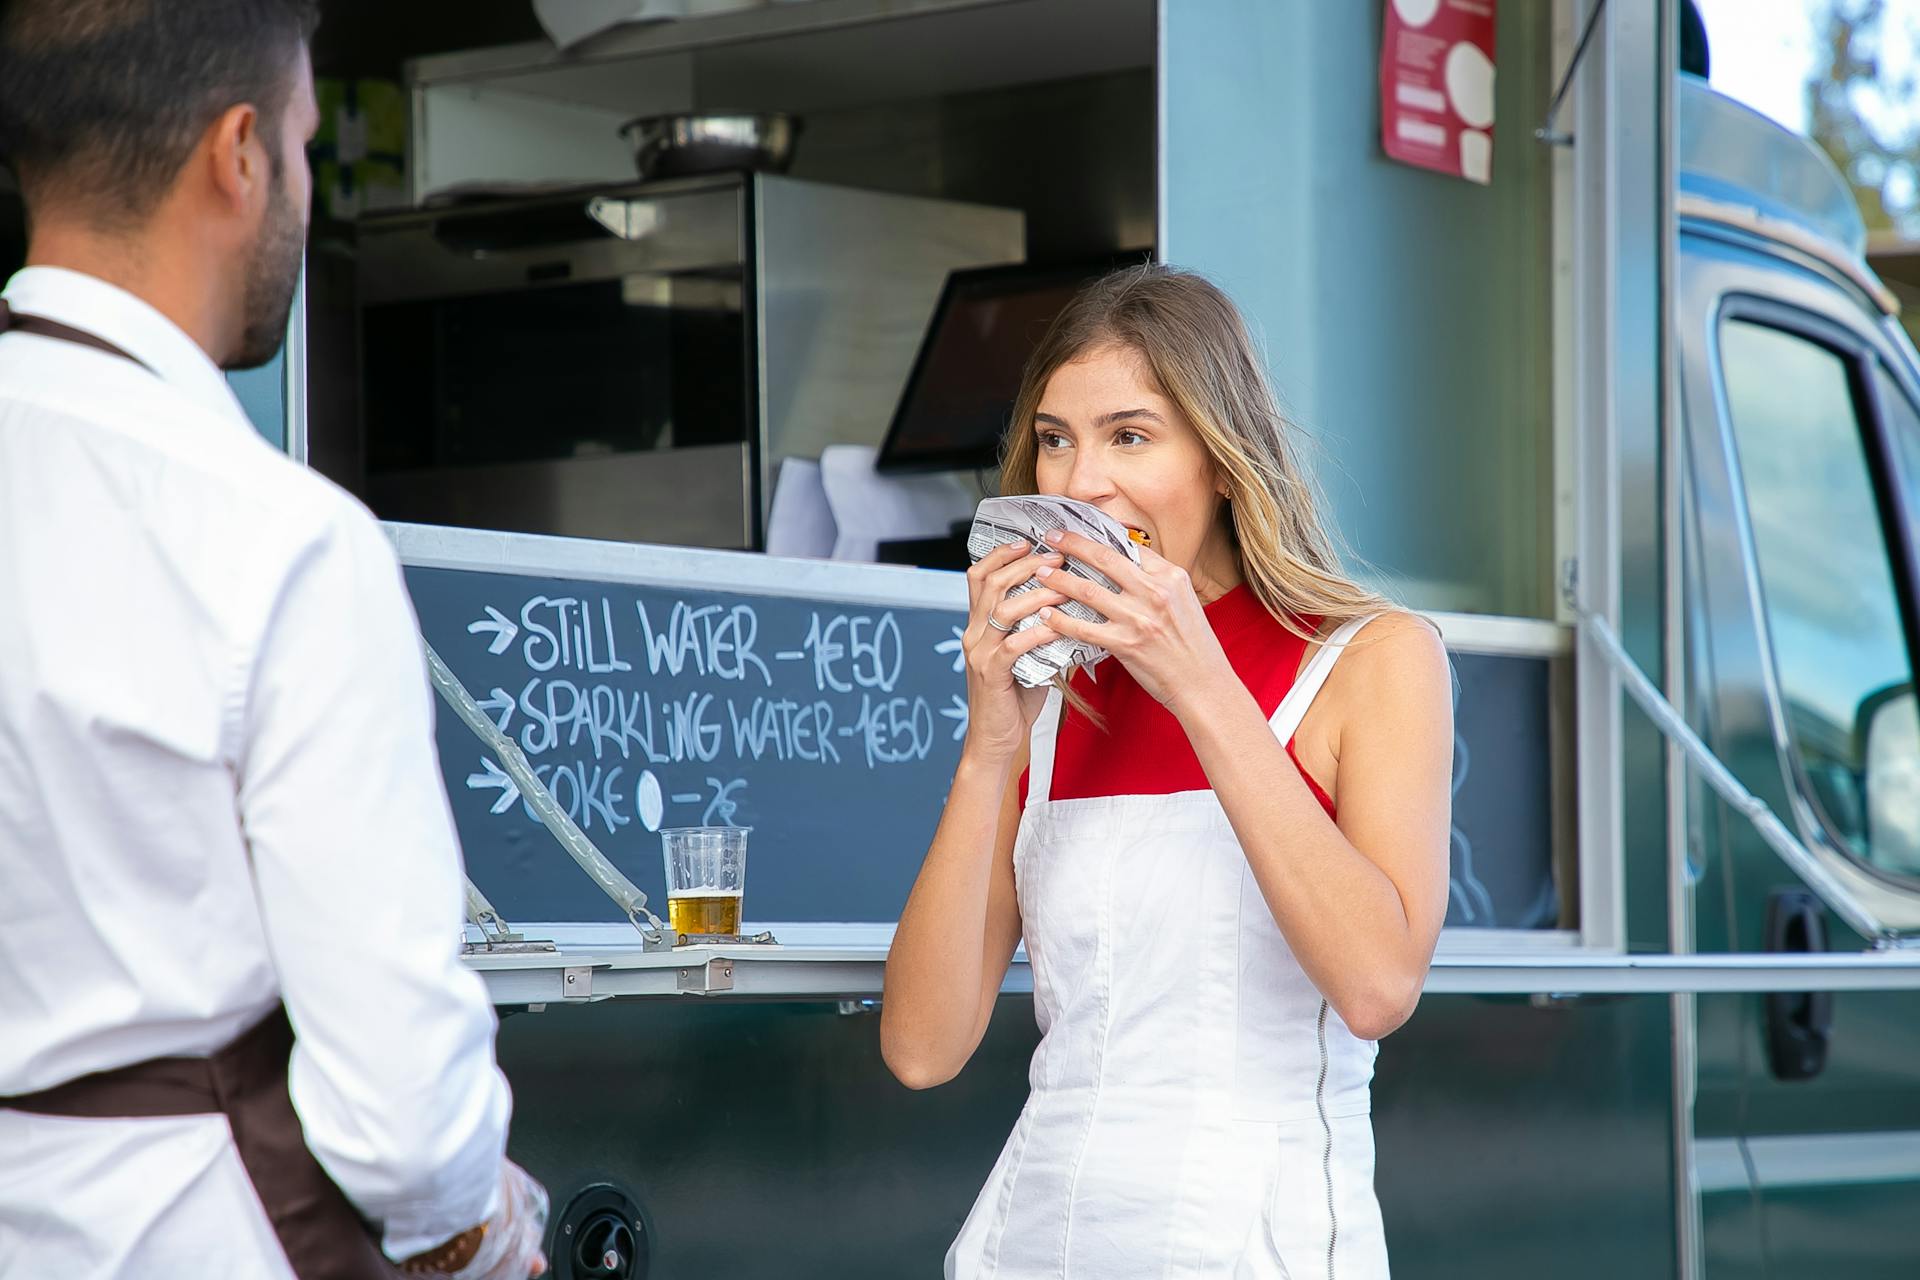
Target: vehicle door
(1800,490)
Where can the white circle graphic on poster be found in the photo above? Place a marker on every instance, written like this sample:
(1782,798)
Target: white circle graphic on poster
(1416,13)
(1470,85)
(1476,156)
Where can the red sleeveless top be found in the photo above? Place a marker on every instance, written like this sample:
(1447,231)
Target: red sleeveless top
(1143,751)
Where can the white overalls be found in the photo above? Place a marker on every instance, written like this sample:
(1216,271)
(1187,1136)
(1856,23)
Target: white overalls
(1198,1111)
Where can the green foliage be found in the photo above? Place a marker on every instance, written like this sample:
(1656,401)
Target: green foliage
(1864,118)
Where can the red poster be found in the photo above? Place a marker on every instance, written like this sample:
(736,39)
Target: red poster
(1436,86)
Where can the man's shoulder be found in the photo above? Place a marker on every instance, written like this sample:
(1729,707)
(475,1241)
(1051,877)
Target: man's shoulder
(295,508)
(159,429)
(282,486)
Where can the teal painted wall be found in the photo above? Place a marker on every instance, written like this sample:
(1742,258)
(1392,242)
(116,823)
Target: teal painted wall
(263,394)
(1406,315)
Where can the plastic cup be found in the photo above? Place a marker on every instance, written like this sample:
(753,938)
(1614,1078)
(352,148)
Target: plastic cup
(706,878)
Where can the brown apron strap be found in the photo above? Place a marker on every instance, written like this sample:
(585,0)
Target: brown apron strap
(45,328)
(323,1236)
(160,1087)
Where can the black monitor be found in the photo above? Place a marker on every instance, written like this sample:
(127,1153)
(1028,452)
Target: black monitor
(954,407)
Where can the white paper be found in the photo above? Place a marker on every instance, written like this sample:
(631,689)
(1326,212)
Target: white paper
(569,22)
(800,523)
(998,521)
(869,507)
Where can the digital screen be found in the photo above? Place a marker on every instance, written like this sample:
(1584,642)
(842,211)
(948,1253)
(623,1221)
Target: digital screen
(954,408)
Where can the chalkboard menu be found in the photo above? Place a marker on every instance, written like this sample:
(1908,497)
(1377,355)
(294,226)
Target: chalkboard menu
(829,727)
(821,705)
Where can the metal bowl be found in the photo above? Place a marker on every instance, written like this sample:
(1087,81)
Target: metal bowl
(684,143)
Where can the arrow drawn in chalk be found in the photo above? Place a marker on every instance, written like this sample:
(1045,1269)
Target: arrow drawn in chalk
(497,622)
(958,714)
(494,777)
(501,701)
(953,647)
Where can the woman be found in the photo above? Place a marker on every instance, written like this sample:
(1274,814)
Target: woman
(1227,853)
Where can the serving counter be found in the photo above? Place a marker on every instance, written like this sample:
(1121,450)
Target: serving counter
(846,963)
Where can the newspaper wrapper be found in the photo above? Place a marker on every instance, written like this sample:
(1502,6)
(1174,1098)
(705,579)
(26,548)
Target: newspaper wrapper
(1030,519)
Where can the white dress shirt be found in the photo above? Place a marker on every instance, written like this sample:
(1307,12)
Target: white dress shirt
(218,790)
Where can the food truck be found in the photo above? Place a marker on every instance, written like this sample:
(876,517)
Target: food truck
(1632,420)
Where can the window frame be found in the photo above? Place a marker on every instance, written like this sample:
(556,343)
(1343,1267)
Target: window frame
(1859,354)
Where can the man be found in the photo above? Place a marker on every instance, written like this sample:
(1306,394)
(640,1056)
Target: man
(218,788)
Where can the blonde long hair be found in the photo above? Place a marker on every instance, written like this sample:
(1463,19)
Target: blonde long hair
(1195,343)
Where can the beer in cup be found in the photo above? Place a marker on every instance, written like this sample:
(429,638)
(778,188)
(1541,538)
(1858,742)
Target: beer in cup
(706,876)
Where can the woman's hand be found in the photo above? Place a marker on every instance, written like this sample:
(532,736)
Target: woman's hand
(1155,623)
(999,711)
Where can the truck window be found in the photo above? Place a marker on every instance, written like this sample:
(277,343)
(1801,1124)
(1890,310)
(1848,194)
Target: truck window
(1827,580)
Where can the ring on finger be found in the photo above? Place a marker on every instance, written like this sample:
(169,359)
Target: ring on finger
(997,625)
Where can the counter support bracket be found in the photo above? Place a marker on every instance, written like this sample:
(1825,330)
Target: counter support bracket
(705,979)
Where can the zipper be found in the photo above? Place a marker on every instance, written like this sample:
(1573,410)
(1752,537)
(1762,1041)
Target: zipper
(1326,1159)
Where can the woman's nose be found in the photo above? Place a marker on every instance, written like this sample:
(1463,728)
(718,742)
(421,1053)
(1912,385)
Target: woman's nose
(1087,481)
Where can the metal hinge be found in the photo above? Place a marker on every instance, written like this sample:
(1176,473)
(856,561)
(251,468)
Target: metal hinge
(537,946)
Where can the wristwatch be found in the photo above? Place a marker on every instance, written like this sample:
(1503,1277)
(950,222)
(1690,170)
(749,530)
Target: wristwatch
(448,1258)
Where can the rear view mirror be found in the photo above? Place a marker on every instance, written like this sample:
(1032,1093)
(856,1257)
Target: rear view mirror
(1892,724)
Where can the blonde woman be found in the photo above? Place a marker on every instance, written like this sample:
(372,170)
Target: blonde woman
(1227,854)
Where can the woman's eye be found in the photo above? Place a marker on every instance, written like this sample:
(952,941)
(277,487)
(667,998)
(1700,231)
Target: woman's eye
(1128,437)
(1052,440)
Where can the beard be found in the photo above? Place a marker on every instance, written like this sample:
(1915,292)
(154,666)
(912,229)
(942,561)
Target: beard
(272,275)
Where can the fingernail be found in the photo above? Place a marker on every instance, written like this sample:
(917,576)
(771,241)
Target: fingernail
(1043,571)
(1056,536)
(1046,613)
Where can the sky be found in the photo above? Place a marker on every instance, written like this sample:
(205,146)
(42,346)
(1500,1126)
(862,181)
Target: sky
(1762,51)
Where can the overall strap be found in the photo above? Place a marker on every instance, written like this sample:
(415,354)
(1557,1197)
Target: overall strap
(1293,708)
(1046,730)
(17,322)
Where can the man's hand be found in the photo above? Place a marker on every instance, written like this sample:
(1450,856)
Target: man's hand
(505,1247)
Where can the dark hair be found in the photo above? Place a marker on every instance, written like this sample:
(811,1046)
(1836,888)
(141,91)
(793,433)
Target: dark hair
(103,100)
